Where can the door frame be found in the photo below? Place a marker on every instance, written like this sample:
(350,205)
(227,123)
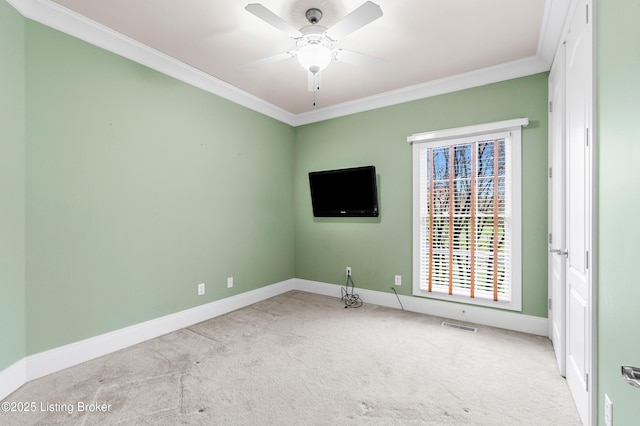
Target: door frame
(556,179)
(592,195)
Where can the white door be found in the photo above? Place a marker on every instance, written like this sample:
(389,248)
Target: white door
(556,237)
(578,207)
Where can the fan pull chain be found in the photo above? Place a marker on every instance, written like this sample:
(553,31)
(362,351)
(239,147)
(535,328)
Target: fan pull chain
(315,89)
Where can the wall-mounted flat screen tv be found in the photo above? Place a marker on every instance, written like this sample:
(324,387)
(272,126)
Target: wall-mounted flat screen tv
(349,192)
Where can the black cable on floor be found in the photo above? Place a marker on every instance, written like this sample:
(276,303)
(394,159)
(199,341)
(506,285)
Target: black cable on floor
(398,297)
(350,300)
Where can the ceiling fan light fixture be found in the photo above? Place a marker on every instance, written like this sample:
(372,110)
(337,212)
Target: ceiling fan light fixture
(315,41)
(314,57)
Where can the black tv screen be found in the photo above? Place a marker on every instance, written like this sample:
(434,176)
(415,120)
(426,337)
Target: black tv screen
(349,192)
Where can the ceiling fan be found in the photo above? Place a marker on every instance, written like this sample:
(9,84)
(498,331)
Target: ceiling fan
(315,43)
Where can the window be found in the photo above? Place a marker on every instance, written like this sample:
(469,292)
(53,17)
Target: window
(467,223)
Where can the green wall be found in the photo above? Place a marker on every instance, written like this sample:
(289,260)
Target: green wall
(378,249)
(139,187)
(135,187)
(12,187)
(618,110)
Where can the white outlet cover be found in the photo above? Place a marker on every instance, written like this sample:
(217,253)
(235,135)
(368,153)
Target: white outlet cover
(200,289)
(398,280)
(229,282)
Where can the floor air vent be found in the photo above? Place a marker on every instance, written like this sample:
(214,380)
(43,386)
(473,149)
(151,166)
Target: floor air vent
(459,326)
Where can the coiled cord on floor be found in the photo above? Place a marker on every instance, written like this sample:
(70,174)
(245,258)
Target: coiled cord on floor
(350,300)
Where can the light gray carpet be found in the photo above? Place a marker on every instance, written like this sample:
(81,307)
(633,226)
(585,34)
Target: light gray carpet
(302,359)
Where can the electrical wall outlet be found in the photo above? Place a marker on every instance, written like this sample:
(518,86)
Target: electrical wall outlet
(608,411)
(348,271)
(200,289)
(229,282)
(398,280)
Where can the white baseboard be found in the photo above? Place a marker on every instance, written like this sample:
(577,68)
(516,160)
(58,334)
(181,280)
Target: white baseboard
(473,314)
(47,362)
(53,360)
(12,377)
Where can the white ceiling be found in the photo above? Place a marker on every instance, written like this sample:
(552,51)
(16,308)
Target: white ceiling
(425,41)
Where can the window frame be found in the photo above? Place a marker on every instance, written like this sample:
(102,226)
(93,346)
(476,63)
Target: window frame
(513,130)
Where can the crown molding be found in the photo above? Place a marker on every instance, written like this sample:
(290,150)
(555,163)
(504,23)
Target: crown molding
(62,19)
(555,16)
(494,74)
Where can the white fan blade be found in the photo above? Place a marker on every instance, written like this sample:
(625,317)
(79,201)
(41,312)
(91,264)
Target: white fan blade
(271,18)
(360,17)
(313,81)
(269,59)
(360,59)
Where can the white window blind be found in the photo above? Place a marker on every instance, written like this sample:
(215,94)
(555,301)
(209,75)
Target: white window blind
(466,221)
